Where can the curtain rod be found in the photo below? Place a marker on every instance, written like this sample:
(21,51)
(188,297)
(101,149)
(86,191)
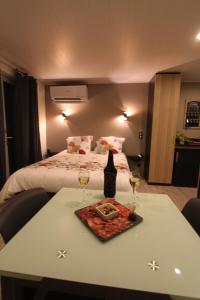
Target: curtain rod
(11,65)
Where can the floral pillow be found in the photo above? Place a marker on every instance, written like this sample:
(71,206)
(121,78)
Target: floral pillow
(79,144)
(109,143)
(118,142)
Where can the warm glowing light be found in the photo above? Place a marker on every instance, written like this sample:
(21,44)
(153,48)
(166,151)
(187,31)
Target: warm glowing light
(61,119)
(65,114)
(198,36)
(122,119)
(129,112)
(177,271)
(125,116)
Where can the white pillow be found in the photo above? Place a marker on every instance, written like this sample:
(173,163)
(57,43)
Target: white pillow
(119,141)
(79,144)
(103,144)
(109,143)
(108,139)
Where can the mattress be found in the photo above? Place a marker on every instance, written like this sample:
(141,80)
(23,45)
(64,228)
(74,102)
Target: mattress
(62,169)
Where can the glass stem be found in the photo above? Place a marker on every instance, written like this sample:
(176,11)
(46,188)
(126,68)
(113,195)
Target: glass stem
(84,193)
(135,194)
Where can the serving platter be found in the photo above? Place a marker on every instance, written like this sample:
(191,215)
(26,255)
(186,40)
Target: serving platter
(106,229)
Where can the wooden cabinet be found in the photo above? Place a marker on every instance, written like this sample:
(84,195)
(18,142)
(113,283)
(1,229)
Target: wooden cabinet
(186,166)
(164,98)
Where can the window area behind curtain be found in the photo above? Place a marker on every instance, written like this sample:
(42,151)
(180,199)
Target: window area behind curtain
(28,148)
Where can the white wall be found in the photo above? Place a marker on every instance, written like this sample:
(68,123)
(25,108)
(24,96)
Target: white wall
(100,116)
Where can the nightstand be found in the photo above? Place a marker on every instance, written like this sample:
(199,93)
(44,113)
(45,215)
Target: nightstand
(50,153)
(136,161)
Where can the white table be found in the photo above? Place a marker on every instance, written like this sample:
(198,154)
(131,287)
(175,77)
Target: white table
(164,241)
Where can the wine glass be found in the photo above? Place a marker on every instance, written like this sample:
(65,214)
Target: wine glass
(83,178)
(134,179)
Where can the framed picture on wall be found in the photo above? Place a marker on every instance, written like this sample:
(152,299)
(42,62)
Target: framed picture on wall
(192,114)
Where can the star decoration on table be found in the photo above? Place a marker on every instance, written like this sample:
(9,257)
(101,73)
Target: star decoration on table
(154,266)
(61,254)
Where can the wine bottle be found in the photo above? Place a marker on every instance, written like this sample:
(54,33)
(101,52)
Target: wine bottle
(110,174)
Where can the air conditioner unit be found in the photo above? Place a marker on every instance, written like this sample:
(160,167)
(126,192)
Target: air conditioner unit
(69,93)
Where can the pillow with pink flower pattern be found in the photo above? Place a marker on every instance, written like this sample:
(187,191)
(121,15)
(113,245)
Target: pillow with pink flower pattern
(79,144)
(109,143)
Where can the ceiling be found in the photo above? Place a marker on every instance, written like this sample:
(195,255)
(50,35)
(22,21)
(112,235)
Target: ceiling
(101,41)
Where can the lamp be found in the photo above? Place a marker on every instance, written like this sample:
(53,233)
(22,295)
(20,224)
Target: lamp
(65,114)
(124,116)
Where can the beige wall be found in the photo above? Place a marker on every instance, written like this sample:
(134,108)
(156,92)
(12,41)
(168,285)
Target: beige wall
(100,116)
(42,116)
(189,91)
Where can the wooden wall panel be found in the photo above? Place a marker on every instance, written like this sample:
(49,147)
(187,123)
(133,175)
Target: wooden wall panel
(164,124)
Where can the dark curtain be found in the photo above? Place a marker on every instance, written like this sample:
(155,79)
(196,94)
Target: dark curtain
(27,146)
(2,138)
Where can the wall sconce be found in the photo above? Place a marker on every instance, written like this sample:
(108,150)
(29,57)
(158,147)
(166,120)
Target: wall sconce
(124,116)
(65,114)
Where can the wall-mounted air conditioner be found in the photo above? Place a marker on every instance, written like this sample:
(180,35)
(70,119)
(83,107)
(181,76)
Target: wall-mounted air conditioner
(69,93)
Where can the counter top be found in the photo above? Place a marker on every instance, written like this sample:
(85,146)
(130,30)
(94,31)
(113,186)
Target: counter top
(188,146)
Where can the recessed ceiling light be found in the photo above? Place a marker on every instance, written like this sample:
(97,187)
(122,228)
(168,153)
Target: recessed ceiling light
(177,271)
(198,36)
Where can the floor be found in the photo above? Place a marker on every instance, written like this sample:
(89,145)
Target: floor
(179,195)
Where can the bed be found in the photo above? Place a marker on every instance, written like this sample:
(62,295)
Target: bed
(61,170)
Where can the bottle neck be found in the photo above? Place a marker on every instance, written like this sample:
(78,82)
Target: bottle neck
(110,159)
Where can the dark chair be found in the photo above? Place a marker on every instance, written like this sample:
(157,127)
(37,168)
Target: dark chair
(191,212)
(19,209)
(198,186)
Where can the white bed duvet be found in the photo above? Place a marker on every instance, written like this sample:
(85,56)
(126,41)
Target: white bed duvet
(62,170)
